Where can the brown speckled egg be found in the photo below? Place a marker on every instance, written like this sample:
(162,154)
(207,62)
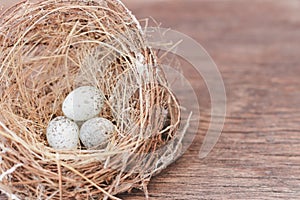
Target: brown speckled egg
(63,133)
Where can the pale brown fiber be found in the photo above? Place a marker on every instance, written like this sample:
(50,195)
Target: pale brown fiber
(48,49)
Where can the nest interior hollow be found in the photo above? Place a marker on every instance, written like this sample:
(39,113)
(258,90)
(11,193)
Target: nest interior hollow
(48,49)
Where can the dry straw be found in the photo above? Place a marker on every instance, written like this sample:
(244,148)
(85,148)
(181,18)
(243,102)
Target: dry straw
(48,49)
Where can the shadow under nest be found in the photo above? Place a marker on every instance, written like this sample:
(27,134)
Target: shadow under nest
(50,48)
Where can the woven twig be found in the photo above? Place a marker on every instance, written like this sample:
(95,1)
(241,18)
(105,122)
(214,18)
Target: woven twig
(48,49)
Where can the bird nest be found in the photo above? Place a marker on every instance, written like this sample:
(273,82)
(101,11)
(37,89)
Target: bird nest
(47,50)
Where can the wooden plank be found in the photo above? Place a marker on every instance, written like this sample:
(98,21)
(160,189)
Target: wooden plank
(255,45)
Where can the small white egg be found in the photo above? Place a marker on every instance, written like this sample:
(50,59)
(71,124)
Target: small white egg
(95,132)
(62,133)
(83,103)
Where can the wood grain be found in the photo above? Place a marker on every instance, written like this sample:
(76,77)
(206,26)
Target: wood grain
(256,46)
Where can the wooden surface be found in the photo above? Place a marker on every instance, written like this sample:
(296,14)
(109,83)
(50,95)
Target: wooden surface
(256,46)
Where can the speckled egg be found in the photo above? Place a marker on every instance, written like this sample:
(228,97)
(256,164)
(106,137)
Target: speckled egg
(62,133)
(95,132)
(83,103)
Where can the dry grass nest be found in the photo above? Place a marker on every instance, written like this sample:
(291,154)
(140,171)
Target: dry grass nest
(50,48)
